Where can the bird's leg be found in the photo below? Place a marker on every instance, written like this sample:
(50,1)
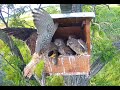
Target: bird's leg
(29,69)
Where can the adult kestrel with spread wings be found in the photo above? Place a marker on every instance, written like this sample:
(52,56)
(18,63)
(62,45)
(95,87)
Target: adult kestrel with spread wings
(45,30)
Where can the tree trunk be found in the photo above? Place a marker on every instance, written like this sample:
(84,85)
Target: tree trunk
(77,8)
(66,8)
(76,80)
(70,8)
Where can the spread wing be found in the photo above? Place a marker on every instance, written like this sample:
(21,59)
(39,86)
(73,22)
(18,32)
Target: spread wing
(43,21)
(20,33)
(31,42)
(45,28)
(28,35)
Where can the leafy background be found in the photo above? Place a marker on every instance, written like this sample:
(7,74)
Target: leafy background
(104,31)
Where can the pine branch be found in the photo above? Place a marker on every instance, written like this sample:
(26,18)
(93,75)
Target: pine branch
(8,40)
(8,62)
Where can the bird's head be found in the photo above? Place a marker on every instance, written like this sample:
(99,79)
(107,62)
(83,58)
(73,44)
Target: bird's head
(59,42)
(69,42)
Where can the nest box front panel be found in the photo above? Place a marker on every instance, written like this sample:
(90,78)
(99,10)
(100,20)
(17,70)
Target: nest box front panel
(69,65)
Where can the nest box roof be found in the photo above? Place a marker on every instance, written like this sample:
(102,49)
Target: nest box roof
(72,19)
(73,15)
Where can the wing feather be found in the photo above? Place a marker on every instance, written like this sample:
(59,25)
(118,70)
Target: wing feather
(20,33)
(42,20)
(45,28)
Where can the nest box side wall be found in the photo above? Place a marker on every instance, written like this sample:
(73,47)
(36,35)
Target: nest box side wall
(86,23)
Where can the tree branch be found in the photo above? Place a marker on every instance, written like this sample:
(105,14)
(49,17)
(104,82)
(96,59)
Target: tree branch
(98,64)
(30,8)
(3,19)
(5,12)
(39,6)
(8,62)
(8,40)
(8,16)
(96,67)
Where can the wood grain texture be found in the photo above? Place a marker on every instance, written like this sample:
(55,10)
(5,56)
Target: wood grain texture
(65,32)
(87,33)
(69,65)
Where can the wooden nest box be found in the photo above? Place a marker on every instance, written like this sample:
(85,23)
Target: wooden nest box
(72,24)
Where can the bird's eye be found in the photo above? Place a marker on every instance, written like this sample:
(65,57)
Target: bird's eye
(57,43)
(70,43)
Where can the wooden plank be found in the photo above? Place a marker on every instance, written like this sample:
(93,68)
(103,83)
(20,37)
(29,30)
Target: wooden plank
(65,32)
(69,65)
(71,15)
(86,23)
(69,20)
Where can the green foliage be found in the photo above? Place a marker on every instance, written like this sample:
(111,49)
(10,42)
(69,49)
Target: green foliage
(110,73)
(105,31)
(18,22)
(23,49)
(87,8)
(14,75)
(2,73)
(52,10)
(55,80)
(109,21)
(101,44)
(39,68)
